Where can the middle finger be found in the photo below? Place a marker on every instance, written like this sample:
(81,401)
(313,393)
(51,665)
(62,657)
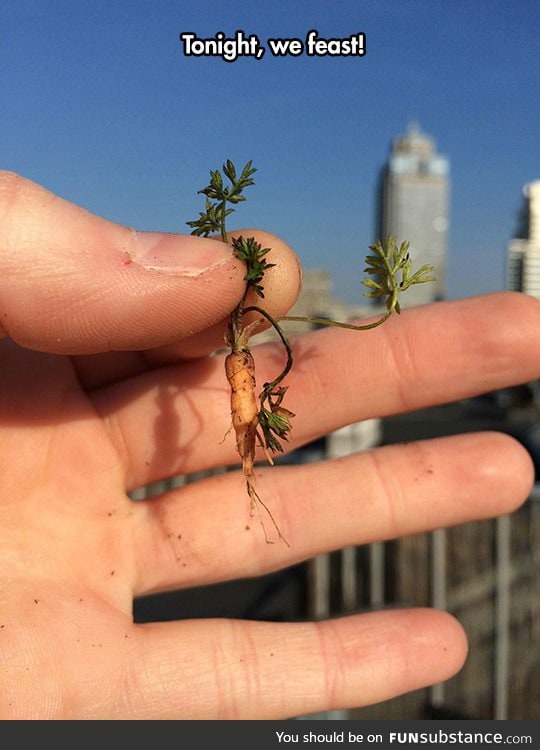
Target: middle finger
(173,421)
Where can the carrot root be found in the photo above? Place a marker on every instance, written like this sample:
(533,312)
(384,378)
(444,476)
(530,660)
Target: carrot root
(240,372)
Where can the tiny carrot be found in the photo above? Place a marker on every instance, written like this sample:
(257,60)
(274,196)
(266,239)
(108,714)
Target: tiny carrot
(262,419)
(245,413)
(240,371)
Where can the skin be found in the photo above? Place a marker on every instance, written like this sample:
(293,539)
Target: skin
(105,386)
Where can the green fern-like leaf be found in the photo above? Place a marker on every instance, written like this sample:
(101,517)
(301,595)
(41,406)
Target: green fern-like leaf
(389,270)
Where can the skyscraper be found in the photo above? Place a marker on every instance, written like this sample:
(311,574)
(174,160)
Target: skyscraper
(413,205)
(523,252)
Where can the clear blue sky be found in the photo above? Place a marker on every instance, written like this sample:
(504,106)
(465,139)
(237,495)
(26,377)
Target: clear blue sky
(99,104)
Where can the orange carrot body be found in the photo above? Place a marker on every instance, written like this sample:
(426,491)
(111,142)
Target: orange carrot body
(240,371)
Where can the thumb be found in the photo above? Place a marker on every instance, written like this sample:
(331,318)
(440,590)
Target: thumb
(74,283)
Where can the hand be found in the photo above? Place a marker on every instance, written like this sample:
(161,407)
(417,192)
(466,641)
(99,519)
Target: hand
(105,386)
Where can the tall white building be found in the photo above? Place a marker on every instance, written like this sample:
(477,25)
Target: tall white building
(414,206)
(523,252)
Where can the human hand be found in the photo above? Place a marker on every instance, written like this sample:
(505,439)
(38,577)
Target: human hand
(105,386)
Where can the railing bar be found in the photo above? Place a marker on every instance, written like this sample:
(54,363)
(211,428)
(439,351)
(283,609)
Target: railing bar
(438,594)
(502,617)
(376,575)
(349,579)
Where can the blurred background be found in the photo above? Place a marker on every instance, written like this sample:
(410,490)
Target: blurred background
(432,134)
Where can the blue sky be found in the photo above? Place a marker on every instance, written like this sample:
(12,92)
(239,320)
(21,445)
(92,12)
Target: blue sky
(99,104)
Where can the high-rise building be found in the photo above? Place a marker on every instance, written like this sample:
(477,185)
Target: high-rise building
(523,252)
(413,205)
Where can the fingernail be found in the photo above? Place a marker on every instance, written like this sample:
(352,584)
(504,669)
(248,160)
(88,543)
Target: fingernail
(178,253)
